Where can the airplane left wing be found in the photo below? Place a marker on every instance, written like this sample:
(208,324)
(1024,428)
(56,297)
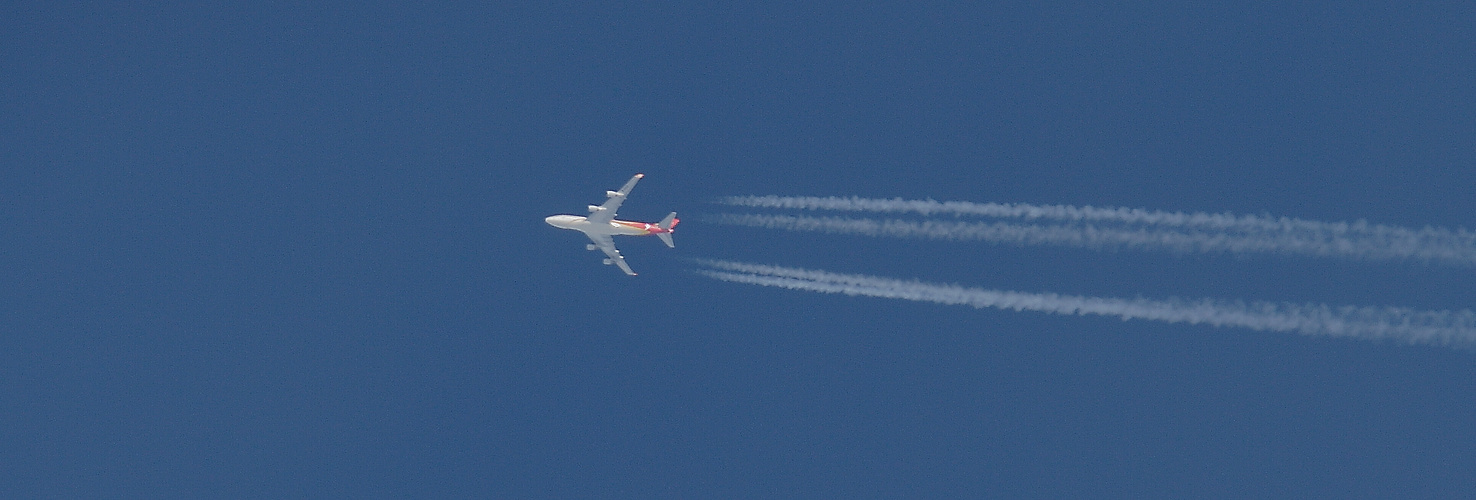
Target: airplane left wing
(607,245)
(603,214)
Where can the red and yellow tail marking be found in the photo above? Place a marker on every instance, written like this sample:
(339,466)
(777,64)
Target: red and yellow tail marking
(649,228)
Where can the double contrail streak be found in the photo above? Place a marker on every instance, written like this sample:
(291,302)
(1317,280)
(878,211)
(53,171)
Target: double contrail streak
(1445,328)
(1083,236)
(1092,227)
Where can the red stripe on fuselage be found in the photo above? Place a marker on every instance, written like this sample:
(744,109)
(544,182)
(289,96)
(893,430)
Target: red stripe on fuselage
(643,226)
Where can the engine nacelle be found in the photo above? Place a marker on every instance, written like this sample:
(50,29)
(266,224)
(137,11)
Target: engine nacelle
(608,262)
(591,246)
(611,194)
(596,208)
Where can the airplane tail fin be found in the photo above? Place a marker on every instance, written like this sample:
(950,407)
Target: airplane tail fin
(669,223)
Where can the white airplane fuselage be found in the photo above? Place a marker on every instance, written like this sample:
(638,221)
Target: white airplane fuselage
(614,228)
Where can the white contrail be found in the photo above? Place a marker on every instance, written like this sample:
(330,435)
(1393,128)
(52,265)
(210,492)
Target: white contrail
(1446,328)
(1083,235)
(1264,233)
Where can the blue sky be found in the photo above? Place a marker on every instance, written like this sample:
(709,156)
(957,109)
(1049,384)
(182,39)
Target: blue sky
(284,251)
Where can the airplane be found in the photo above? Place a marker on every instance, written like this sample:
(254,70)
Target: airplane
(600,225)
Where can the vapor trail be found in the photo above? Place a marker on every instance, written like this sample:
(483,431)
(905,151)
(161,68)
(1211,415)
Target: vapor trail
(1355,240)
(1100,236)
(1444,328)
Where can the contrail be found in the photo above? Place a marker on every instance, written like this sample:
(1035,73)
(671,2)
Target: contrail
(1108,236)
(1358,239)
(1443,328)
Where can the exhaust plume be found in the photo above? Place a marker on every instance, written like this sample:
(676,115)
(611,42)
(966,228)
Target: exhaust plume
(1094,227)
(1443,328)
(1108,236)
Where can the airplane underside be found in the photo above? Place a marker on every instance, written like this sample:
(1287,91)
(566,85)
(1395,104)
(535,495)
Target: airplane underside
(601,225)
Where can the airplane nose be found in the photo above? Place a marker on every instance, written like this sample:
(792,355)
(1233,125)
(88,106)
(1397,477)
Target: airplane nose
(564,221)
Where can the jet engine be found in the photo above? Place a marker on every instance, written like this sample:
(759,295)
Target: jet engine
(596,208)
(611,194)
(590,246)
(608,262)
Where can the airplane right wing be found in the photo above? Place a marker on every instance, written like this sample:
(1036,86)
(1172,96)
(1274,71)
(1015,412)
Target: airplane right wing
(603,214)
(607,245)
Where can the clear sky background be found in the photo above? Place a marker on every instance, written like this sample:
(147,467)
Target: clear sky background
(277,250)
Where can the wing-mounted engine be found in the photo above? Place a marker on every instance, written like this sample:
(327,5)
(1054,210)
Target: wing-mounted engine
(611,194)
(596,209)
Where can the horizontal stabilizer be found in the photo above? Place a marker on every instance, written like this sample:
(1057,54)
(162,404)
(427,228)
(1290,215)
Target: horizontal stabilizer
(669,223)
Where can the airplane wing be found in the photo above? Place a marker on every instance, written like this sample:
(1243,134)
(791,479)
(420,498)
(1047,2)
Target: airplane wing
(603,214)
(607,245)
